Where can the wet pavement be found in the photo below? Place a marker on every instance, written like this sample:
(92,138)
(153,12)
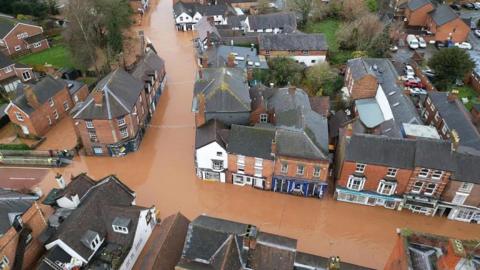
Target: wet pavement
(162,174)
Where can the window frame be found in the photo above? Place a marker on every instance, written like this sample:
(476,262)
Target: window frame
(360,167)
(382,187)
(437,174)
(217,164)
(392,172)
(351,183)
(317,171)
(414,187)
(422,174)
(300,169)
(428,188)
(25,77)
(51,102)
(19,117)
(263,118)
(467,189)
(459,198)
(89,124)
(124,132)
(284,167)
(55,114)
(121,121)
(66,106)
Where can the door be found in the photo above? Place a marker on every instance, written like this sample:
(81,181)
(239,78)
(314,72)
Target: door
(25,130)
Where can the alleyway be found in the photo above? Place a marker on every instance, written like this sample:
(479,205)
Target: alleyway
(162,173)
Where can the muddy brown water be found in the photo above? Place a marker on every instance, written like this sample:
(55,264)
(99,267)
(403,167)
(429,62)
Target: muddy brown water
(162,174)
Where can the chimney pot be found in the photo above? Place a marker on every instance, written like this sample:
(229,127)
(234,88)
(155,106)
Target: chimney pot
(452,96)
(292,90)
(231,60)
(98,97)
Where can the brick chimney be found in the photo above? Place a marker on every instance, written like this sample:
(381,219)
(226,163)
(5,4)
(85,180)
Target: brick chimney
(31,97)
(453,95)
(334,263)
(292,89)
(141,36)
(348,130)
(205,61)
(274,147)
(250,237)
(249,74)
(231,60)
(98,97)
(455,139)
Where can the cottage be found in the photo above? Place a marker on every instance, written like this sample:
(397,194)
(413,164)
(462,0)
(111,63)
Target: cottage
(282,22)
(19,37)
(41,105)
(307,49)
(232,56)
(112,120)
(416,12)
(211,158)
(102,226)
(222,94)
(445,24)
(11,74)
(186,15)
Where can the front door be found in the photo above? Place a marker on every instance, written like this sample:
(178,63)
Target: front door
(25,130)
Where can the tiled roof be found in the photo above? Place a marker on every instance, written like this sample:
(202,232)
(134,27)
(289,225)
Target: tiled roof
(251,141)
(210,132)
(273,20)
(294,41)
(5,61)
(148,64)
(443,14)
(416,4)
(6,25)
(244,57)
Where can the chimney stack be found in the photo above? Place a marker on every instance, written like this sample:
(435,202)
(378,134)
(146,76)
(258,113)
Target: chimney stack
(348,130)
(141,35)
(274,146)
(249,74)
(453,95)
(334,263)
(200,74)
(231,60)
(31,96)
(60,181)
(98,97)
(250,237)
(292,89)
(455,138)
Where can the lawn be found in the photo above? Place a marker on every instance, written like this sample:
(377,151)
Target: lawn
(329,28)
(467,92)
(57,56)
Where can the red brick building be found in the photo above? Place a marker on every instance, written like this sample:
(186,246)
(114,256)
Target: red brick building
(11,74)
(41,105)
(360,79)
(18,38)
(112,120)
(417,11)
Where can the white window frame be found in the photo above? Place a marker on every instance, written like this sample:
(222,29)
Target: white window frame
(37,44)
(360,167)
(120,229)
(49,120)
(414,187)
(382,187)
(4,263)
(22,35)
(300,169)
(19,117)
(258,171)
(217,164)
(18,48)
(121,121)
(392,172)
(124,132)
(284,167)
(55,114)
(351,183)
(459,198)
(433,190)
(465,187)
(423,173)
(95,242)
(8,69)
(437,174)
(426,114)
(263,118)
(51,102)
(258,162)
(317,171)
(464,214)
(66,106)
(92,135)
(89,124)
(26,75)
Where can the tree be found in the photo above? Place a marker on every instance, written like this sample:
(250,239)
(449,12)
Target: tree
(283,71)
(381,44)
(304,7)
(372,5)
(359,34)
(320,78)
(353,9)
(449,65)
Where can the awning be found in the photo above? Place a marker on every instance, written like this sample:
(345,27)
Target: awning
(421,204)
(369,194)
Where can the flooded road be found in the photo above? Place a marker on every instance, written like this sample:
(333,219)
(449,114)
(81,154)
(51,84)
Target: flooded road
(162,173)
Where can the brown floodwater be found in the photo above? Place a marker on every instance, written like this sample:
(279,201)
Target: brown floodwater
(162,174)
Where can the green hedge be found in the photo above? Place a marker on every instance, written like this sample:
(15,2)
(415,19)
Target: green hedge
(14,147)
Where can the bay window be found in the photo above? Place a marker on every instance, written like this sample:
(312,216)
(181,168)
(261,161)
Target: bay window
(355,183)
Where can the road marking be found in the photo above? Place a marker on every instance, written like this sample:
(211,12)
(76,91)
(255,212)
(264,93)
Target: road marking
(22,178)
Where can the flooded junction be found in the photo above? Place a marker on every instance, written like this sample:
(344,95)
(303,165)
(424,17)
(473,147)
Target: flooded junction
(162,174)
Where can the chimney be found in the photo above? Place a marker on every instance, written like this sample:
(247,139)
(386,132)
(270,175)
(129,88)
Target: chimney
(292,89)
(274,146)
(60,181)
(231,60)
(98,97)
(348,131)
(250,237)
(200,74)
(249,74)
(455,138)
(205,61)
(334,263)
(453,95)
(252,46)
(141,35)
(31,97)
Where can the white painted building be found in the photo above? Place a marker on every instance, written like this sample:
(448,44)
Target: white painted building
(211,158)
(186,15)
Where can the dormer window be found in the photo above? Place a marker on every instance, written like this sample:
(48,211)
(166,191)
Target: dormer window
(121,224)
(91,239)
(263,118)
(121,121)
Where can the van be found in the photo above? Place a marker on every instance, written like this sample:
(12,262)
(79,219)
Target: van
(412,42)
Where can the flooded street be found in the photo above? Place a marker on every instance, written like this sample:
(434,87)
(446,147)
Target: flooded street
(162,174)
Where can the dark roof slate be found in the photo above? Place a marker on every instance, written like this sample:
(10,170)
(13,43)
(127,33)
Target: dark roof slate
(251,141)
(148,65)
(13,203)
(34,39)
(5,61)
(294,41)
(416,4)
(273,20)
(443,14)
(210,132)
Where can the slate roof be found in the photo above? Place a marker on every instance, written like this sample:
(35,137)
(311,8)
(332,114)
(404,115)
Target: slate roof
(218,55)
(280,258)
(46,88)
(457,118)
(305,261)
(79,185)
(416,4)
(443,14)
(121,91)
(205,10)
(434,154)
(273,20)
(284,99)
(251,141)
(466,167)
(6,25)
(204,27)
(74,86)
(147,65)
(225,90)
(13,203)
(5,61)
(294,41)
(211,132)
(34,39)
(108,199)
(359,68)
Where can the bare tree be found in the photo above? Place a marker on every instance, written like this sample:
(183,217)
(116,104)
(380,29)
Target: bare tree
(303,7)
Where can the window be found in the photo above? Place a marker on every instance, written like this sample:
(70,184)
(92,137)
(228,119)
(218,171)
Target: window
(466,187)
(95,242)
(217,164)
(124,132)
(181,18)
(316,172)
(120,229)
(386,188)
(18,48)
(437,174)
(22,35)
(4,263)
(19,116)
(26,76)
(219,154)
(459,198)
(55,114)
(430,189)
(37,44)
(97,150)
(241,168)
(428,101)
(66,106)
(135,109)
(465,214)
(75,98)
(121,121)
(392,172)
(49,120)
(89,123)
(263,118)
(426,114)
(258,172)
(305,52)
(423,173)
(360,167)
(51,102)
(140,98)
(93,135)
(267,52)
(417,187)
(300,169)
(258,162)
(8,69)
(284,168)
(313,61)
(355,183)
(437,117)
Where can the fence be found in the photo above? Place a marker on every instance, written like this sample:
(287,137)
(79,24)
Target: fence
(425,80)
(36,158)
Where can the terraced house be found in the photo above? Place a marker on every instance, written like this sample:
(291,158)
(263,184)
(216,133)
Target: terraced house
(186,15)
(112,120)
(11,73)
(19,37)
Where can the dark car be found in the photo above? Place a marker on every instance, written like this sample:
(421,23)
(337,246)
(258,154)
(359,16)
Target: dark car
(468,5)
(455,6)
(441,44)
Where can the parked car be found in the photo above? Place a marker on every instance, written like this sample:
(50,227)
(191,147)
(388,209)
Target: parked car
(441,44)
(455,6)
(421,42)
(409,71)
(413,84)
(429,73)
(464,45)
(393,48)
(412,42)
(417,91)
(468,5)
(477,33)
(477,5)
(459,82)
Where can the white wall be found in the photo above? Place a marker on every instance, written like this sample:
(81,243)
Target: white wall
(142,234)
(208,152)
(186,18)
(307,59)
(70,203)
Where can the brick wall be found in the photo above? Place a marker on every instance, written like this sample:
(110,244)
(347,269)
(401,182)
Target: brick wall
(4,74)
(267,172)
(419,16)
(451,189)
(309,166)
(398,258)
(431,118)
(365,87)
(43,46)
(441,183)
(457,27)
(81,94)
(12,40)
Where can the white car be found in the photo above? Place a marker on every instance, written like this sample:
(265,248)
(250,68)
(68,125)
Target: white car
(464,45)
(477,33)
(409,71)
(476,5)
(421,42)
(418,91)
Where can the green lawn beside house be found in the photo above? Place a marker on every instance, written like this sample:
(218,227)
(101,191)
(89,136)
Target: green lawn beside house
(58,56)
(329,28)
(467,92)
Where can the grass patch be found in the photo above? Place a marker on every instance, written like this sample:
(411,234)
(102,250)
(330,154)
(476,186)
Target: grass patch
(329,28)
(467,92)
(58,56)
(14,147)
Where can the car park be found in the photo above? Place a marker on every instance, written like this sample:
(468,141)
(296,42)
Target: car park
(464,45)
(412,42)
(468,6)
(409,71)
(477,33)
(455,6)
(421,42)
